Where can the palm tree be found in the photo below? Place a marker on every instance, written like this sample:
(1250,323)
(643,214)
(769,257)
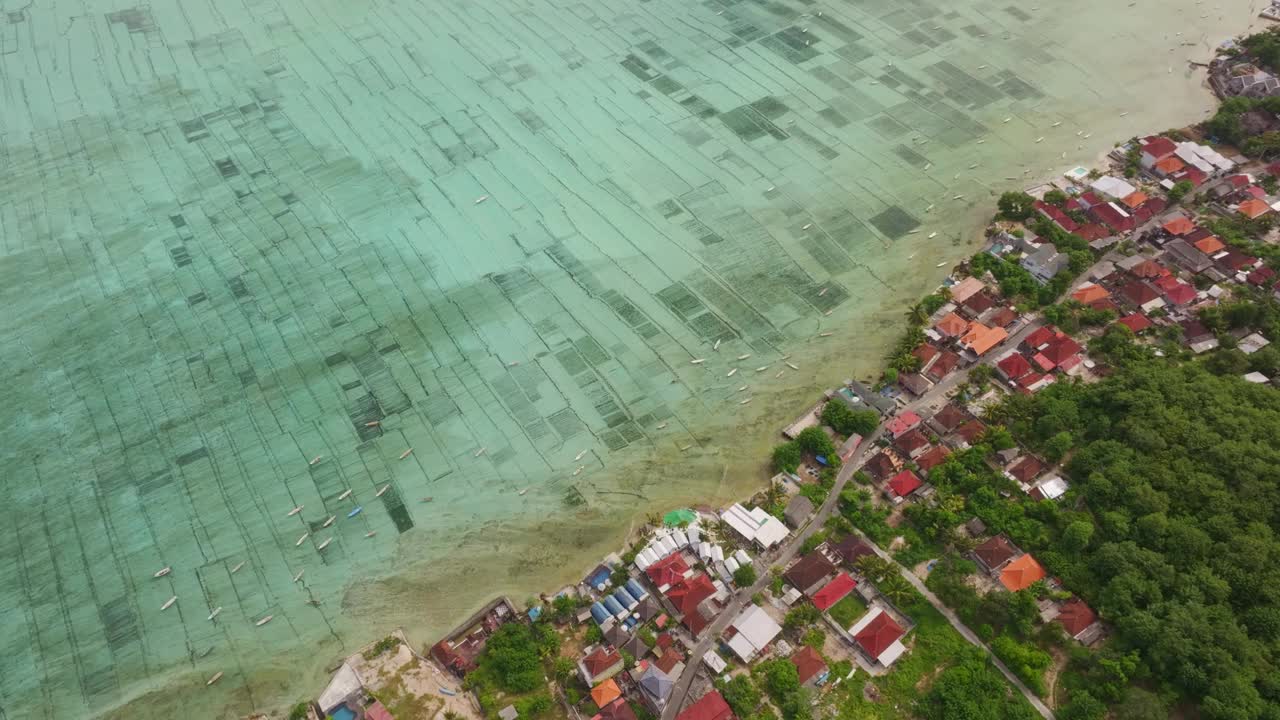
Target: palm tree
(653,520)
(774,494)
(876,568)
(895,589)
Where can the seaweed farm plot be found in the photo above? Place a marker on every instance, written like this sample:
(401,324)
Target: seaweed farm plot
(304,297)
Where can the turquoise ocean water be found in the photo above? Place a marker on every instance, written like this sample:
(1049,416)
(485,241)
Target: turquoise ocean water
(236,235)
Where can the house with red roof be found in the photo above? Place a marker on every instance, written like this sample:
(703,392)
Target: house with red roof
(377,711)
(1148,269)
(1176,291)
(946,364)
(1113,216)
(1141,295)
(879,636)
(952,325)
(933,458)
(1021,574)
(1003,317)
(689,593)
(902,423)
(1039,338)
(1077,619)
(1179,226)
(1034,382)
(912,444)
(1137,322)
(1089,292)
(1209,245)
(902,485)
(600,663)
(1013,367)
(1261,276)
(1253,208)
(711,706)
(969,432)
(994,553)
(950,417)
(810,667)
(925,353)
(668,571)
(809,573)
(1056,215)
(1026,469)
(1154,149)
(616,710)
(1060,351)
(1168,167)
(882,465)
(834,591)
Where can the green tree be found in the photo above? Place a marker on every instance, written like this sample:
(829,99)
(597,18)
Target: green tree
(740,693)
(744,576)
(800,616)
(1077,536)
(787,457)
(1015,205)
(511,654)
(1179,191)
(847,421)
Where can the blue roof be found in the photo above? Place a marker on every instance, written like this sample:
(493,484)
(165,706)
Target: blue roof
(600,576)
(637,591)
(612,606)
(535,612)
(624,600)
(599,613)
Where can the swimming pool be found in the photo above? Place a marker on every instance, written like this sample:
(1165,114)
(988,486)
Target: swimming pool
(342,712)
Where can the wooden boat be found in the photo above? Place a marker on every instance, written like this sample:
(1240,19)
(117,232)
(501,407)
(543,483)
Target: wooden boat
(215,612)
(663,425)
(428,499)
(778,374)
(295,511)
(329,522)
(744,357)
(792,366)
(744,402)
(315,460)
(264,621)
(762,368)
(522,492)
(933,235)
(373,423)
(169,603)
(371,533)
(823,291)
(406,453)
(479,452)
(824,334)
(302,539)
(298,577)
(345,494)
(481,199)
(324,544)
(216,677)
(732,372)
(579,470)
(697,361)
(236,569)
(716,346)
(356,511)
(578,457)
(807,226)
(382,490)
(163,571)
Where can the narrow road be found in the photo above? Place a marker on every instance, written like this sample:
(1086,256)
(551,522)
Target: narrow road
(743,596)
(680,692)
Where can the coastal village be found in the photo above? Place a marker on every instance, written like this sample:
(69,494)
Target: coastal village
(826,590)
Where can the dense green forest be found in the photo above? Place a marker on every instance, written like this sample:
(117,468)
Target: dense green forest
(1170,529)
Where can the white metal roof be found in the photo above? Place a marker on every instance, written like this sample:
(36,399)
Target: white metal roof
(742,557)
(714,661)
(891,653)
(1053,488)
(756,627)
(345,681)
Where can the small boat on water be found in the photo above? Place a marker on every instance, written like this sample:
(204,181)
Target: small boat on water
(762,368)
(685,447)
(1124,114)
(744,387)
(578,457)
(371,533)
(807,226)
(824,334)
(973,165)
(264,621)
(329,522)
(1088,135)
(744,402)
(792,366)
(1006,119)
(215,612)
(929,209)
(428,498)
(522,492)
(778,374)
(697,361)
(346,494)
(580,469)
(382,490)
(294,511)
(513,363)
(944,262)
(663,425)
(216,677)
(823,291)
(1056,124)
(169,603)
(374,423)
(479,452)
(315,459)
(933,235)
(355,512)
(163,571)
(958,197)
(827,313)
(928,165)
(406,453)
(298,577)
(324,544)
(236,569)
(744,357)
(1040,139)
(302,539)
(982,67)
(481,199)
(732,372)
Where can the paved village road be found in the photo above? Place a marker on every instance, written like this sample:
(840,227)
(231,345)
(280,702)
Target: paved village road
(939,392)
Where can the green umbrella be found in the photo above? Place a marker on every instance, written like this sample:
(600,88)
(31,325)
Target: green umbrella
(676,518)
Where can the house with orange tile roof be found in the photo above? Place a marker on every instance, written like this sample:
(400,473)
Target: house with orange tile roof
(1021,574)
(1168,166)
(1209,245)
(606,692)
(1134,199)
(1180,225)
(979,338)
(966,288)
(952,325)
(1090,292)
(1253,208)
